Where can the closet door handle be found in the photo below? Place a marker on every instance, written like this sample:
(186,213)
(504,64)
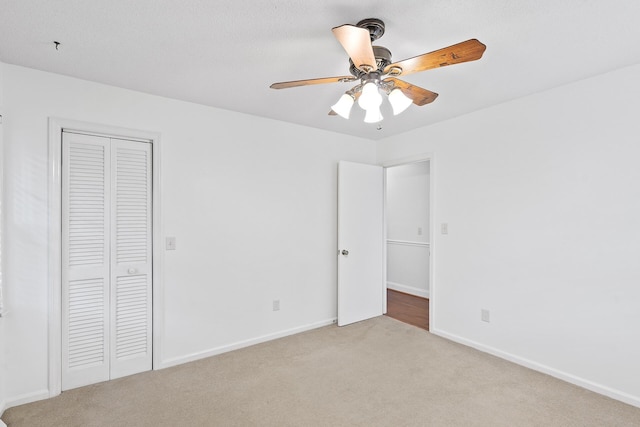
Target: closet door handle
(345,252)
(132,271)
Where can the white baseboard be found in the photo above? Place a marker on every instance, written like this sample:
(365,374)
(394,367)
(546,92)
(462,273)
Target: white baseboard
(408,289)
(581,382)
(2,424)
(27,398)
(44,394)
(241,344)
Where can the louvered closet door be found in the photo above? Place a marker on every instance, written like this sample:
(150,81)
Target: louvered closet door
(131,258)
(85,260)
(107,259)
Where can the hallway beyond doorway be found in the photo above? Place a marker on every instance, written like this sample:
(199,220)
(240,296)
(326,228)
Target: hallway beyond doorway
(408,308)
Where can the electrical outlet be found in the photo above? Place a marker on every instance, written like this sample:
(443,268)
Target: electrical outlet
(485,315)
(276,305)
(419,231)
(444,228)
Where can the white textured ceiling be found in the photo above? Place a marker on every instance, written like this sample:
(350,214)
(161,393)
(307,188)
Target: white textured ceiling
(226,53)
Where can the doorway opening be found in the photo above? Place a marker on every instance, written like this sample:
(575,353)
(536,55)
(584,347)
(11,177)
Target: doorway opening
(408,241)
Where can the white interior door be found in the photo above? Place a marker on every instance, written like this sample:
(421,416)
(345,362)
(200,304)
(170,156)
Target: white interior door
(85,260)
(106,259)
(131,256)
(360,242)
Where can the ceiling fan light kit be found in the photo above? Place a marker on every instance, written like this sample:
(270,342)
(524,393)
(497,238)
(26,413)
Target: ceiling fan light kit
(373,115)
(370,101)
(373,67)
(370,97)
(344,105)
(399,101)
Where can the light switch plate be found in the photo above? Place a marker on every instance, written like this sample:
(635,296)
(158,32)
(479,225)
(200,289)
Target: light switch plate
(444,228)
(171,243)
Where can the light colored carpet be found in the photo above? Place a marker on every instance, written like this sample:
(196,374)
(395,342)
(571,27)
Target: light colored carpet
(380,372)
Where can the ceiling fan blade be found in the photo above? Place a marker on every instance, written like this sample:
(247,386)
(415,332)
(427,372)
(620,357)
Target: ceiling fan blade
(356,41)
(419,95)
(296,83)
(461,52)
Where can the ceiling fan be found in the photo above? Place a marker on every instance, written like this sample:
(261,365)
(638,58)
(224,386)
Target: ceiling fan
(372,66)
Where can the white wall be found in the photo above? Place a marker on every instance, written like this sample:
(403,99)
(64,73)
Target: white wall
(251,201)
(542,198)
(407,210)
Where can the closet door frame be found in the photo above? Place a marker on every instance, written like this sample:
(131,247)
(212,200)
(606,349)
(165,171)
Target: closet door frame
(56,126)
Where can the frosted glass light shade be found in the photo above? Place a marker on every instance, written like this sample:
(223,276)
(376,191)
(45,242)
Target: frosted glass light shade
(399,101)
(343,106)
(370,97)
(373,115)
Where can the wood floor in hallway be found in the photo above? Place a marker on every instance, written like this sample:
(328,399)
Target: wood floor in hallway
(408,308)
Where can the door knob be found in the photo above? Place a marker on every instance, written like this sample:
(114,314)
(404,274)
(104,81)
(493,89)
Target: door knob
(345,252)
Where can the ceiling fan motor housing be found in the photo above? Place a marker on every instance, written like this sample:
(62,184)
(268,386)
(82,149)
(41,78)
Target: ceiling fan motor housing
(383,58)
(375,27)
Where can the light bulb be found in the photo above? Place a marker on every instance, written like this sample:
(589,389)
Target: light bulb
(343,106)
(399,101)
(373,115)
(370,97)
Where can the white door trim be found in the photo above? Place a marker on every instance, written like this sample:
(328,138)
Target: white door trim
(426,157)
(56,125)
